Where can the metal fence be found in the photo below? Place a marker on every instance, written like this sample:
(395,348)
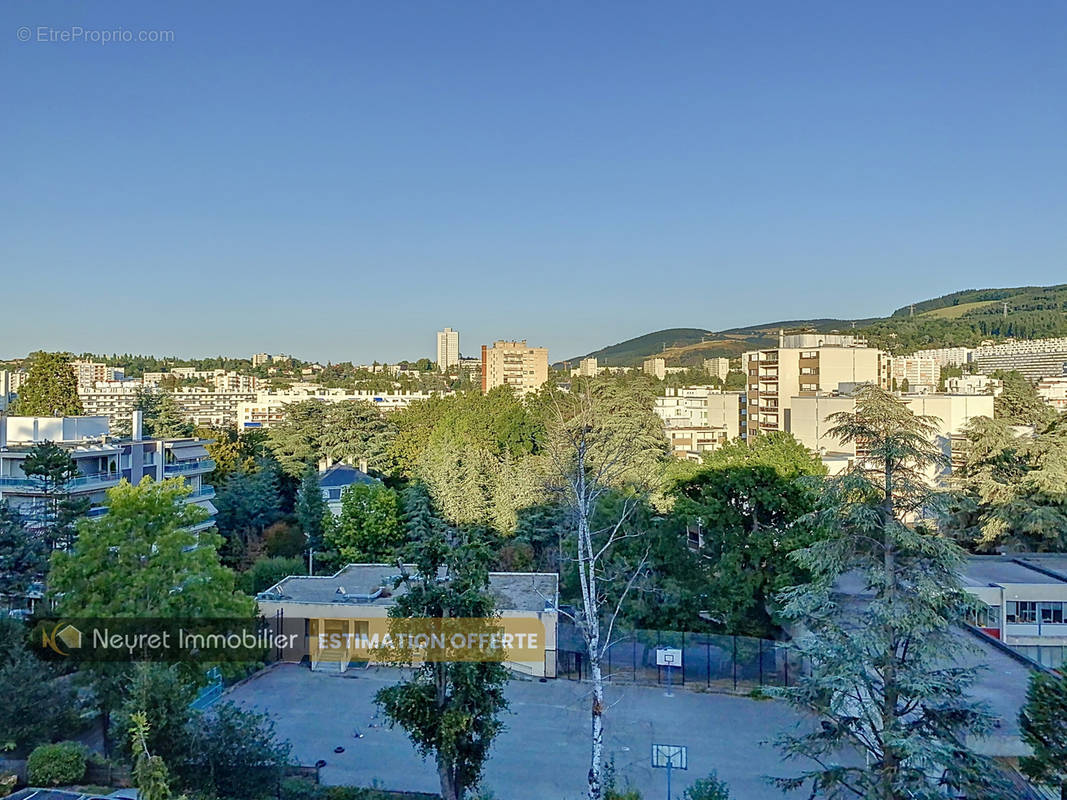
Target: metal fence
(709,661)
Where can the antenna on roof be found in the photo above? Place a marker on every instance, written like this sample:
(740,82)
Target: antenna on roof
(1005,308)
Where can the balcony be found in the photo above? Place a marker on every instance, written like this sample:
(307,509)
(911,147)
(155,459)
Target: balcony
(100,480)
(203,493)
(189,467)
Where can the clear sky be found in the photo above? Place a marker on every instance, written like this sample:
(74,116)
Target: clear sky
(338,180)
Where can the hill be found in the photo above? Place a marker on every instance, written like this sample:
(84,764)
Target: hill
(962,318)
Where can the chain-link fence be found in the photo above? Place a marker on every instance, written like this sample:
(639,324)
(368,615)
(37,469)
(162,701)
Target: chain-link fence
(708,661)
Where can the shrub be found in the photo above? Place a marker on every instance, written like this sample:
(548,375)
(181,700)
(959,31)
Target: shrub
(300,789)
(268,571)
(56,764)
(284,539)
(709,788)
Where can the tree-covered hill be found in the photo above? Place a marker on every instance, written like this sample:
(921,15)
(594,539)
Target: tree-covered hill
(962,318)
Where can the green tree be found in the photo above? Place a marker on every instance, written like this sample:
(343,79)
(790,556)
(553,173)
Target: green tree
(234,754)
(163,419)
(248,503)
(22,556)
(369,529)
(162,693)
(748,520)
(266,572)
(884,678)
(708,788)
(1019,403)
(50,389)
(296,441)
(150,771)
(1043,721)
(55,518)
(357,431)
(311,508)
(779,451)
(603,443)
(450,710)
(1012,490)
(141,560)
(38,704)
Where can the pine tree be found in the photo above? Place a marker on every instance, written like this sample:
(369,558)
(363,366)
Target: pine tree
(51,388)
(311,508)
(884,677)
(22,557)
(1044,725)
(59,510)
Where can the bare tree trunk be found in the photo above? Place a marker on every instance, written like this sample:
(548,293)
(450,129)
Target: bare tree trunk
(596,755)
(449,790)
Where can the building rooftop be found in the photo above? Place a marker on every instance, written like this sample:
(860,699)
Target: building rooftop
(359,584)
(341,475)
(987,570)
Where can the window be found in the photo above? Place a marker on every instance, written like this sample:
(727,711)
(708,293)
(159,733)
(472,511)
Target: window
(986,616)
(1052,613)
(1021,612)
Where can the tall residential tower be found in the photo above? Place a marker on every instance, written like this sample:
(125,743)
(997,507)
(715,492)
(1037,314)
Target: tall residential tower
(447,349)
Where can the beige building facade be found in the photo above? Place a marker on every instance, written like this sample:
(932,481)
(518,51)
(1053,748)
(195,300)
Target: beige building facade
(514,364)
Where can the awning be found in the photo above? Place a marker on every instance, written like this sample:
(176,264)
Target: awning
(188,452)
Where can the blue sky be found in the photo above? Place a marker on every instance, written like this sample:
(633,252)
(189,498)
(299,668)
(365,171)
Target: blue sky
(338,180)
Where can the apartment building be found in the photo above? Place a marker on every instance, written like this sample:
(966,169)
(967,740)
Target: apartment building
(947,356)
(88,373)
(267,409)
(804,365)
(200,405)
(587,368)
(912,373)
(1054,392)
(698,419)
(514,364)
(810,423)
(1034,358)
(222,380)
(10,381)
(102,461)
(656,367)
(974,384)
(447,349)
(259,359)
(717,367)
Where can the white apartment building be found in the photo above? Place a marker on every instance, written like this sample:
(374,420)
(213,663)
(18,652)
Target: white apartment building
(222,380)
(717,367)
(10,381)
(697,419)
(102,461)
(804,365)
(260,359)
(267,409)
(447,349)
(920,373)
(200,405)
(947,356)
(656,367)
(587,368)
(514,364)
(974,384)
(88,373)
(810,424)
(1054,392)
(1034,358)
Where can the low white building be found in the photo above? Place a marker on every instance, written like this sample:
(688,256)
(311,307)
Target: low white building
(974,384)
(697,419)
(810,422)
(1025,602)
(268,408)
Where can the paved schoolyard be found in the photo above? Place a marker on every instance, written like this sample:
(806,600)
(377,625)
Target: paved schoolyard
(543,754)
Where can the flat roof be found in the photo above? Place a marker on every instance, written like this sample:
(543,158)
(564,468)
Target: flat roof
(514,591)
(986,570)
(1053,562)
